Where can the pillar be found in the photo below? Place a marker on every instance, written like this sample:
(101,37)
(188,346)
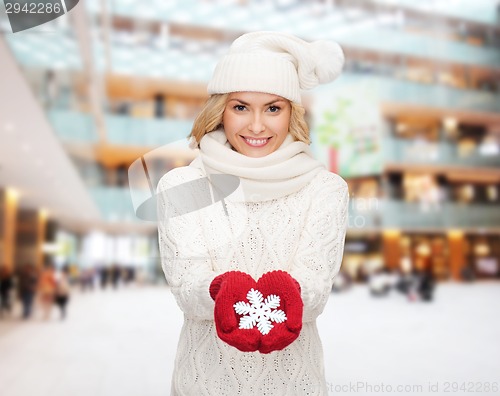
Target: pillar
(30,237)
(456,248)
(391,248)
(9,199)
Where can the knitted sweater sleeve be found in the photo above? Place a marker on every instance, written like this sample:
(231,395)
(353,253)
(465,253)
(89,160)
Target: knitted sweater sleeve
(319,253)
(187,268)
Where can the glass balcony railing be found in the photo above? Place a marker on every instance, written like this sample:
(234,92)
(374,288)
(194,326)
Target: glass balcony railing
(388,213)
(77,127)
(439,153)
(114,203)
(145,131)
(449,215)
(73,126)
(438,96)
(390,89)
(386,40)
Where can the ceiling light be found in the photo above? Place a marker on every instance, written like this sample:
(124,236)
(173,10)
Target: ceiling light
(44,213)
(401,127)
(450,123)
(12,194)
(9,127)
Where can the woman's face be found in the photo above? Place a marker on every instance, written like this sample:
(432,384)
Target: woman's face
(256,123)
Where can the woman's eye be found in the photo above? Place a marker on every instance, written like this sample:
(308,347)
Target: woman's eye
(239,107)
(274,109)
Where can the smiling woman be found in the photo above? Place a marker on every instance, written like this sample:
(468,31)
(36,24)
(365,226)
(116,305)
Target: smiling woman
(256,124)
(218,107)
(254,270)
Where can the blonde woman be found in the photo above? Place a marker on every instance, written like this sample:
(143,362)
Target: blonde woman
(251,233)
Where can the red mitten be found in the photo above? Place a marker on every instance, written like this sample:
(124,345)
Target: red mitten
(226,290)
(283,333)
(264,315)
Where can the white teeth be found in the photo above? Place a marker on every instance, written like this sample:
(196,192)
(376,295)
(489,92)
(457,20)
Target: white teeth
(256,142)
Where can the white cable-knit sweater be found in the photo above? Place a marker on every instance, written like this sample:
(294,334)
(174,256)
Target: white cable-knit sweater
(302,233)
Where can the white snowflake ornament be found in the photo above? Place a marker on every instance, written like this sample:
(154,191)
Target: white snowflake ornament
(259,312)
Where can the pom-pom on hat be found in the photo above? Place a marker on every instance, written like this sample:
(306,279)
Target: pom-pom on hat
(276,63)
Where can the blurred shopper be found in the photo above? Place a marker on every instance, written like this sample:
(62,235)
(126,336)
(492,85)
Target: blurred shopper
(131,274)
(103,277)
(342,282)
(418,285)
(27,284)
(293,210)
(62,291)
(405,276)
(426,285)
(87,279)
(6,284)
(51,88)
(47,289)
(128,275)
(412,281)
(125,275)
(468,274)
(74,273)
(380,282)
(429,195)
(116,274)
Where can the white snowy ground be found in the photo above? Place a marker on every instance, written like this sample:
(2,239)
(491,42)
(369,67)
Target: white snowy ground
(123,343)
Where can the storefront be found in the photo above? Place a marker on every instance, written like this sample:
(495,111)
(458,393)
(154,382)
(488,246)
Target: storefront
(362,255)
(450,254)
(483,256)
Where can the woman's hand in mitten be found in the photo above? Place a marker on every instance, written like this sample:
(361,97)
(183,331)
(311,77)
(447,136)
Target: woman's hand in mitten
(226,290)
(265,315)
(281,284)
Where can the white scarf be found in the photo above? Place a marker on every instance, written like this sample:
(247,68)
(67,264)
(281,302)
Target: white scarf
(280,173)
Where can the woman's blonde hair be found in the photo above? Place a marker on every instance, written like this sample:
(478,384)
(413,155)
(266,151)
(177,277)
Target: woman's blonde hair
(210,119)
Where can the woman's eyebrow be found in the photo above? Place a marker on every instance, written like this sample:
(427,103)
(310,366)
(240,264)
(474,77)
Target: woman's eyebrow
(274,101)
(248,104)
(239,100)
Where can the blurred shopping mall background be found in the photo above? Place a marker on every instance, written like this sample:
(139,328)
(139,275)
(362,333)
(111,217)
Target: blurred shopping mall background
(95,107)
(413,125)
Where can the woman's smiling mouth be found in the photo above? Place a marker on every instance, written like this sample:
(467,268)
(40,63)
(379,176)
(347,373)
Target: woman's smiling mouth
(261,142)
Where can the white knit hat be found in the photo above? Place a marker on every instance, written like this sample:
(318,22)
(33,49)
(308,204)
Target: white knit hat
(276,63)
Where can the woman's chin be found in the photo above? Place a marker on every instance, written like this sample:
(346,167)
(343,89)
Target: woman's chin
(255,153)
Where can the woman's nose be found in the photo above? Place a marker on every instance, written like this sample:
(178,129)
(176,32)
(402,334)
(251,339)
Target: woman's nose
(256,124)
